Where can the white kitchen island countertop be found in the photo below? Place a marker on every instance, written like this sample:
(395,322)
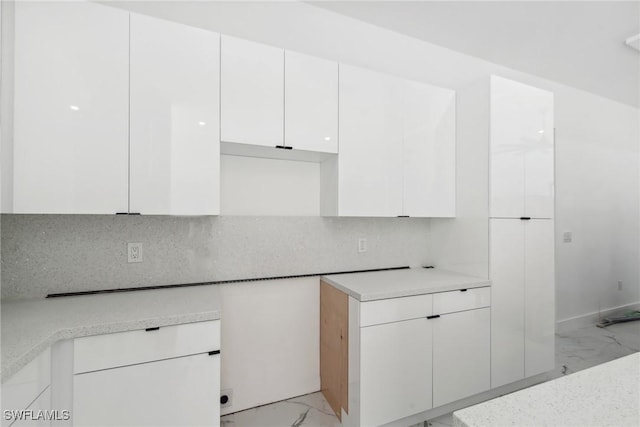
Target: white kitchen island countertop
(605,395)
(375,285)
(30,326)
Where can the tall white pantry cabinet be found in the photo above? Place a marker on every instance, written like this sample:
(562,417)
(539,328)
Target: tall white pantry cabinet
(521,225)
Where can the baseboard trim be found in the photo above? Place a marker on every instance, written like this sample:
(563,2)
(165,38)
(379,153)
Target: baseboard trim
(592,318)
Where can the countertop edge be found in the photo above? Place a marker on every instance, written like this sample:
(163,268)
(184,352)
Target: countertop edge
(60,334)
(478,283)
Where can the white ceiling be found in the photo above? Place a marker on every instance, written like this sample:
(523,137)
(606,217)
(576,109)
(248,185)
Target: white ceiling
(578,43)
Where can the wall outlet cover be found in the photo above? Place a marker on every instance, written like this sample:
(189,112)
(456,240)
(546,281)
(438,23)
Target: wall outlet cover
(134,252)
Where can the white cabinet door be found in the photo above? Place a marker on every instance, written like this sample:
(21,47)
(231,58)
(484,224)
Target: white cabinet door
(25,386)
(71,109)
(183,391)
(42,403)
(395,371)
(539,308)
(252,92)
(370,160)
(311,103)
(461,355)
(506,270)
(429,151)
(175,147)
(522,154)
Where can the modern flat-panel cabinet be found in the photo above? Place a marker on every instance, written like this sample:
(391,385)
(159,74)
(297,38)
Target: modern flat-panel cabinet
(175,147)
(397,147)
(71,108)
(522,150)
(523,309)
(521,254)
(170,392)
(159,376)
(29,388)
(114,113)
(506,269)
(395,370)
(251,92)
(310,103)
(405,355)
(461,355)
(539,297)
(429,151)
(370,161)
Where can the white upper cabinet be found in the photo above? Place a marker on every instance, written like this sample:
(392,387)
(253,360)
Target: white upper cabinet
(252,93)
(397,148)
(522,150)
(71,109)
(370,159)
(175,147)
(311,103)
(429,151)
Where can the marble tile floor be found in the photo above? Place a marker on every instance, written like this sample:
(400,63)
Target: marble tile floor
(575,350)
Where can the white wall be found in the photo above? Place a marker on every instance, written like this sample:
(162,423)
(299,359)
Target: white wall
(270,341)
(597,179)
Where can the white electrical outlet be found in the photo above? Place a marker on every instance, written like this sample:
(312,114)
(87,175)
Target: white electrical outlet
(619,285)
(567,237)
(134,252)
(362,245)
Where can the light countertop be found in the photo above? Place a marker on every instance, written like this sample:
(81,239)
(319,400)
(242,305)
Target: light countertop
(605,395)
(377,285)
(30,326)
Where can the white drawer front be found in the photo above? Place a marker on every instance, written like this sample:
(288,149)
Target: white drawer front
(450,302)
(25,385)
(395,309)
(126,348)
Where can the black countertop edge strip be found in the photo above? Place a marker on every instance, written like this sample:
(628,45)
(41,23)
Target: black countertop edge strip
(218,282)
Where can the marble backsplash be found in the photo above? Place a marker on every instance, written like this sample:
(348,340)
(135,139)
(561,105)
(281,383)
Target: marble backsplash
(44,254)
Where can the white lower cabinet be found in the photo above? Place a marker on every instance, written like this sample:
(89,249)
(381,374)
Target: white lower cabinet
(182,391)
(160,376)
(39,408)
(461,355)
(27,389)
(395,370)
(523,306)
(405,355)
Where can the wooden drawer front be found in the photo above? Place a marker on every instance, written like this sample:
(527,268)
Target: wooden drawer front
(25,385)
(450,302)
(127,348)
(395,309)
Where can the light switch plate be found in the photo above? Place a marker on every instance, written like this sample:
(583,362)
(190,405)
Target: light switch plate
(134,252)
(567,237)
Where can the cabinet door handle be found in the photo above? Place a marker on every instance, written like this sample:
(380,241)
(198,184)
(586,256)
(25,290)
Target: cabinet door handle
(284,147)
(433,317)
(156,328)
(463,290)
(525,218)
(214,352)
